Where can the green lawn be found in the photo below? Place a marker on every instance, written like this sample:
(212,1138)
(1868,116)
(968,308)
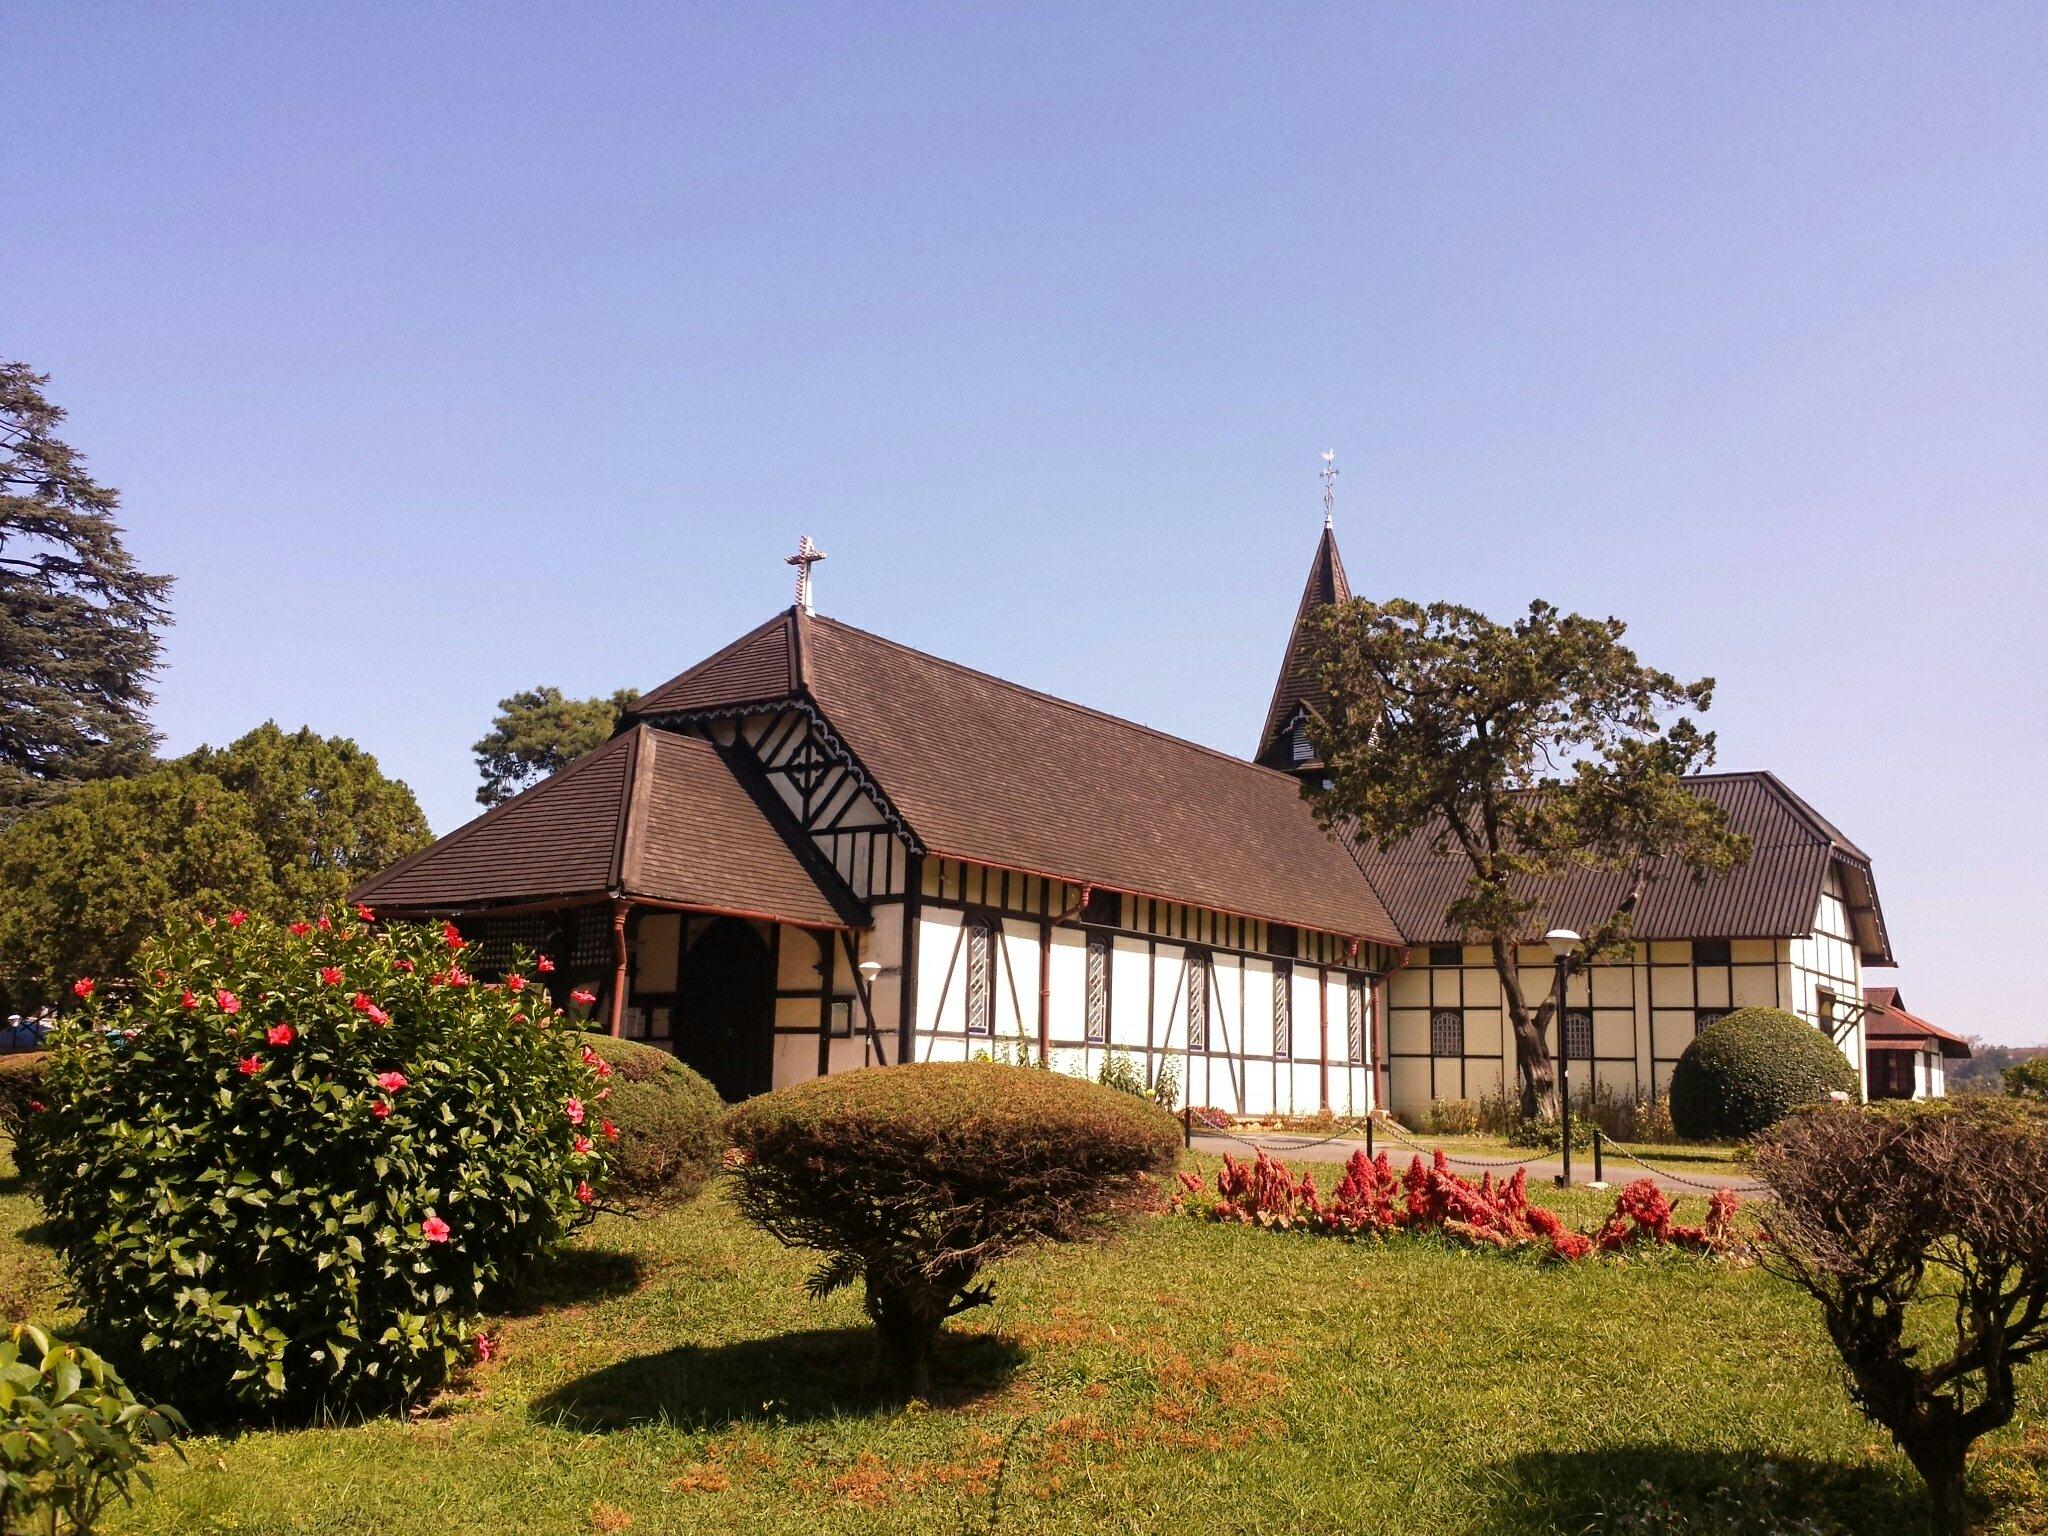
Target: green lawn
(1190,1378)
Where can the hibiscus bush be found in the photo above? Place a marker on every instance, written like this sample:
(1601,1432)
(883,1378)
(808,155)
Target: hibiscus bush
(913,1179)
(287,1166)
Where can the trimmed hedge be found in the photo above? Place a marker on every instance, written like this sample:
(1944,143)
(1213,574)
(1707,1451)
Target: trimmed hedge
(21,1088)
(913,1178)
(1746,1072)
(670,1123)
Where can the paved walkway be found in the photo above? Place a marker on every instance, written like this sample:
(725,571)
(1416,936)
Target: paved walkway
(1543,1168)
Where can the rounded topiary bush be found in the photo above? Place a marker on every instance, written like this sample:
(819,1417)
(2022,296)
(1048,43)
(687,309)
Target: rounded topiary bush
(670,1123)
(285,1169)
(1746,1072)
(912,1179)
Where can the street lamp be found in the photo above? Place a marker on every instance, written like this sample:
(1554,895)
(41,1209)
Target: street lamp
(1562,942)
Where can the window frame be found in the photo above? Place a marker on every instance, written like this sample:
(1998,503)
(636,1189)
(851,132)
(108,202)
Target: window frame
(1439,1019)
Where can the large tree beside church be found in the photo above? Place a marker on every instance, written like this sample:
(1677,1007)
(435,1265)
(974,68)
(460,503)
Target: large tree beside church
(78,619)
(1526,750)
(537,732)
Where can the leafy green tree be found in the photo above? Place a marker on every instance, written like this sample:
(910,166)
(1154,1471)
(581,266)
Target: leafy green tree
(78,621)
(2028,1079)
(1528,750)
(84,881)
(537,732)
(327,815)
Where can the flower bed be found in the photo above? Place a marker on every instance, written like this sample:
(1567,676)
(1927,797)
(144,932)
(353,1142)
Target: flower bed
(1371,1198)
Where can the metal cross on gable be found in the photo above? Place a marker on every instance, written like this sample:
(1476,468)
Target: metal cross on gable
(1329,487)
(807,555)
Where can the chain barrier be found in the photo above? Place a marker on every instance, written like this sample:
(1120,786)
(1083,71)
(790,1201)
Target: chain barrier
(1468,1162)
(1629,1155)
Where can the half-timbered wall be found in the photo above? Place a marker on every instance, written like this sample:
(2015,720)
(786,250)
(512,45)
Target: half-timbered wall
(1168,986)
(1627,1021)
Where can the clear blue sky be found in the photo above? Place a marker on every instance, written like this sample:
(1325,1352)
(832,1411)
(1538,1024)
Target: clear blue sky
(444,351)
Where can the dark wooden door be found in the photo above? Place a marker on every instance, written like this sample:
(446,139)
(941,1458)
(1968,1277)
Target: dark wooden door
(727,1009)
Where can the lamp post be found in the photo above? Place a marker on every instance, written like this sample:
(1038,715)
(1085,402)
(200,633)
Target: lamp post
(1562,942)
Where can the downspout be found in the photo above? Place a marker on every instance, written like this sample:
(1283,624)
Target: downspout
(617,1010)
(1323,1036)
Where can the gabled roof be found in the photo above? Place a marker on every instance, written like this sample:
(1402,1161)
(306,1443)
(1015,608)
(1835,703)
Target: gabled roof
(986,770)
(1887,1026)
(1296,686)
(648,816)
(1774,895)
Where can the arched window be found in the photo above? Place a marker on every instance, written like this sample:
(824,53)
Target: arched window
(1578,1034)
(981,976)
(1447,1032)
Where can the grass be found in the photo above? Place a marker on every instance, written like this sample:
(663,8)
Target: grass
(670,1376)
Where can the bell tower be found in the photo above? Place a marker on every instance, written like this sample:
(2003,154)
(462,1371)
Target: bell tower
(1284,744)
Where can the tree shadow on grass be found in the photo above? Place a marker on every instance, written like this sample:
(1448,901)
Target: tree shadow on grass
(573,1277)
(1648,1489)
(790,1378)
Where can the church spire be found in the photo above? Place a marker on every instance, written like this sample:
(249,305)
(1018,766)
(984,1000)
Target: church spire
(1295,687)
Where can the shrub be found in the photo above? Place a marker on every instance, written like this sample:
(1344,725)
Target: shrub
(1746,1072)
(2028,1079)
(1914,1224)
(21,1089)
(1118,1071)
(914,1178)
(287,1167)
(72,1436)
(1546,1133)
(1451,1117)
(670,1123)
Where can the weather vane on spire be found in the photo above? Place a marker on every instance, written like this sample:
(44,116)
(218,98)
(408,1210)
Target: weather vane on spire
(1329,487)
(807,555)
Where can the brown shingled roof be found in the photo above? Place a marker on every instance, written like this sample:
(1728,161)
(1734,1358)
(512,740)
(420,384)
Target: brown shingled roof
(648,816)
(1775,895)
(986,770)
(1297,685)
(1887,1026)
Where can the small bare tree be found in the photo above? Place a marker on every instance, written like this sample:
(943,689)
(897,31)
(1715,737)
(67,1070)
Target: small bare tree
(1891,1217)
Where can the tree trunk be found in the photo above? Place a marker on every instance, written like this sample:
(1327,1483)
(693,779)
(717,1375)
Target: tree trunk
(1535,1071)
(1939,1460)
(907,1321)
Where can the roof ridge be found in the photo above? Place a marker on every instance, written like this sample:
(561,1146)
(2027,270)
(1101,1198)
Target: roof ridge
(716,656)
(1053,698)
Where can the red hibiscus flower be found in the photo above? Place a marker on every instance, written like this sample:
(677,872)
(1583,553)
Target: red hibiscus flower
(377,1016)
(450,936)
(229,1003)
(186,999)
(381,1109)
(300,930)
(330,975)
(584,1192)
(391,1082)
(583,1146)
(365,913)
(403,965)
(611,1132)
(326,924)
(82,988)
(249,1066)
(434,1230)
(583,997)
(486,1347)
(281,1034)
(545,966)
(515,983)
(361,1002)
(237,917)
(573,1108)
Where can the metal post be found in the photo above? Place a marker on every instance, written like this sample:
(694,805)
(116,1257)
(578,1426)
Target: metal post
(1564,1076)
(1187,1127)
(1599,1173)
(1368,1138)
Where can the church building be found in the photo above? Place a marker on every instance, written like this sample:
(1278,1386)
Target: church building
(818,849)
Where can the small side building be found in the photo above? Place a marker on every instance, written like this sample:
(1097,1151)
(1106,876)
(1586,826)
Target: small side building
(1905,1056)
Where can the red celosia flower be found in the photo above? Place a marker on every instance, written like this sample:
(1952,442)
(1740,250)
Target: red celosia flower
(545,966)
(583,997)
(186,999)
(584,1192)
(237,917)
(434,1230)
(330,975)
(573,1108)
(82,988)
(229,1003)
(611,1132)
(249,1066)
(281,1034)
(515,983)
(381,1109)
(301,929)
(391,1082)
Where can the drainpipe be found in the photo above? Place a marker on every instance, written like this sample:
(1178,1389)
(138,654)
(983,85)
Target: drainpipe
(1323,1036)
(617,1010)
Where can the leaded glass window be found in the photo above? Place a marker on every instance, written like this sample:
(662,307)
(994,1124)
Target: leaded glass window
(981,977)
(1198,1002)
(1283,1010)
(1354,1021)
(1447,1032)
(1098,989)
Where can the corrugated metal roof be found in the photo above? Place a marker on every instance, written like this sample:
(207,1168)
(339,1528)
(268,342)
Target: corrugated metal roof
(986,770)
(1775,895)
(648,816)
